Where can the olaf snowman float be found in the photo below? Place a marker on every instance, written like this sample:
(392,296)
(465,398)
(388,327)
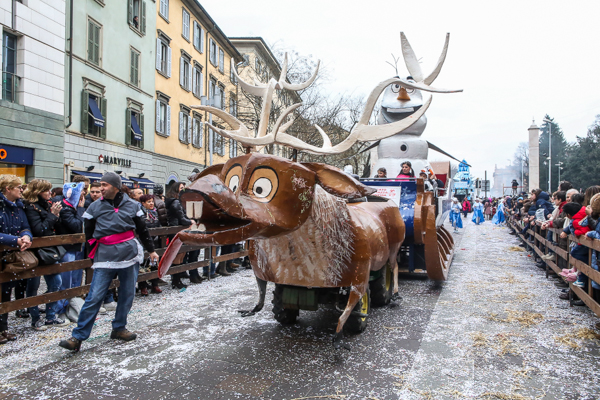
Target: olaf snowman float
(402,101)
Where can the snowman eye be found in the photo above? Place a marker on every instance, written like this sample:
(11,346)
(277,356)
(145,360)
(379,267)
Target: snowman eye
(395,88)
(410,91)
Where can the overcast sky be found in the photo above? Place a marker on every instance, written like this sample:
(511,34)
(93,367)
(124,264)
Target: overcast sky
(515,60)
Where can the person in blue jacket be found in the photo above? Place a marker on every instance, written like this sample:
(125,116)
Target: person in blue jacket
(455,218)
(542,202)
(14,232)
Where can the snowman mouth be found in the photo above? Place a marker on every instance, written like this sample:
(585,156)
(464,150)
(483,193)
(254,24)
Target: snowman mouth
(402,110)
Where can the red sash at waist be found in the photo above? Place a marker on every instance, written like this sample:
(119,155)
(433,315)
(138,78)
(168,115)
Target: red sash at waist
(110,239)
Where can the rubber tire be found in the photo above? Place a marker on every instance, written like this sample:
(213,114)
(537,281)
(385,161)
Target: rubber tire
(355,323)
(381,295)
(284,316)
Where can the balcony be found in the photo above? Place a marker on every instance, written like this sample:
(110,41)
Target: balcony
(10,85)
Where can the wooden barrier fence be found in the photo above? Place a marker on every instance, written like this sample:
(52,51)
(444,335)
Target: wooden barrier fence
(534,238)
(86,265)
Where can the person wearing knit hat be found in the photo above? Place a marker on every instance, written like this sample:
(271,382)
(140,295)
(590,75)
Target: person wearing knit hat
(111,224)
(113,179)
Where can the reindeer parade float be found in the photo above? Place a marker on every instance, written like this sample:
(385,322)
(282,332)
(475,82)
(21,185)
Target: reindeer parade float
(315,232)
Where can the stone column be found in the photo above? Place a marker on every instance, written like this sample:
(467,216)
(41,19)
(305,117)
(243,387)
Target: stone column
(534,156)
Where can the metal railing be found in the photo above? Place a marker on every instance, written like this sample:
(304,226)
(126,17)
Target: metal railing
(10,86)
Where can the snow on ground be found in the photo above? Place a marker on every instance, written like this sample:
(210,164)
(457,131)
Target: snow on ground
(495,329)
(499,330)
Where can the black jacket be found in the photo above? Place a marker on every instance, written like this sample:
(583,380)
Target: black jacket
(71,222)
(175,214)
(161,209)
(41,221)
(88,201)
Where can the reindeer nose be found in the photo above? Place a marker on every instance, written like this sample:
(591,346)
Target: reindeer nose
(402,95)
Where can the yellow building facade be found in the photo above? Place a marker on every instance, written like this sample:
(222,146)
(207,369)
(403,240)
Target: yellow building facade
(193,65)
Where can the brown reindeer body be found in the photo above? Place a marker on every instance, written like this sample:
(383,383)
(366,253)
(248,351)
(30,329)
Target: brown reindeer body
(303,229)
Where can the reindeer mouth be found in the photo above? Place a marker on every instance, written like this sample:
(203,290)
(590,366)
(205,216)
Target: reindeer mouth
(215,222)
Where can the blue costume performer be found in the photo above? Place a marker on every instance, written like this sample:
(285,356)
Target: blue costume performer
(455,218)
(477,212)
(499,216)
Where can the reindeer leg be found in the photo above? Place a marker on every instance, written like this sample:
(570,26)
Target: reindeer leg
(262,291)
(356,292)
(394,265)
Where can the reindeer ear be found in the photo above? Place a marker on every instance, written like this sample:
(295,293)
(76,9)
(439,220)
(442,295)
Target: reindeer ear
(337,182)
(212,170)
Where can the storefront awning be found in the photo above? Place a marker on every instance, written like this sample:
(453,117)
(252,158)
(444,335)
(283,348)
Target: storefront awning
(93,176)
(127,182)
(137,133)
(95,113)
(143,182)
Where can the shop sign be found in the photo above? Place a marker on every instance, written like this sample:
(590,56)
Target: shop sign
(16,155)
(122,162)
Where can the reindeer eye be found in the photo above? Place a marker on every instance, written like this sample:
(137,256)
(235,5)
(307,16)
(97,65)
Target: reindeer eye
(263,184)
(395,88)
(262,187)
(232,179)
(234,183)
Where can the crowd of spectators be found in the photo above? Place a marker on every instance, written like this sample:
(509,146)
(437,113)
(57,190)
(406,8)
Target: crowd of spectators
(567,211)
(38,210)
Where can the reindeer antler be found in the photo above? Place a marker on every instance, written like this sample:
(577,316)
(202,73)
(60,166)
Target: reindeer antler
(362,132)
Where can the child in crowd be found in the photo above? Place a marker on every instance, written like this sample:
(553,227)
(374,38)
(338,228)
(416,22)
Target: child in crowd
(576,213)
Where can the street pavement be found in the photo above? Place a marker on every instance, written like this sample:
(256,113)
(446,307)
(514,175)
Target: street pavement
(495,329)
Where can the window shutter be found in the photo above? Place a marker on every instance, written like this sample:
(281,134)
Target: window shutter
(168,122)
(128,126)
(201,86)
(158,48)
(189,82)
(85,99)
(221,60)
(141,124)
(168,62)
(201,40)
(130,12)
(104,111)
(194,91)
(132,67)
(181,81)
(201,134)
(90,41)
(181,132)
(188,132)
(158,117)
(143,21)
(194,138)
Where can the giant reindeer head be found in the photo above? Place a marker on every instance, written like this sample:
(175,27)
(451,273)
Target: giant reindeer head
(403,100)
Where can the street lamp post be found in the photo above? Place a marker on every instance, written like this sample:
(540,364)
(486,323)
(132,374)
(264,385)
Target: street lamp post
(547,121)
(559,165)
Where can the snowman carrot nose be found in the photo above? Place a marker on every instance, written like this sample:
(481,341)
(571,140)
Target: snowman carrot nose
(402,95)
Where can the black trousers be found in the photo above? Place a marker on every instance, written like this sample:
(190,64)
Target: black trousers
(20,287)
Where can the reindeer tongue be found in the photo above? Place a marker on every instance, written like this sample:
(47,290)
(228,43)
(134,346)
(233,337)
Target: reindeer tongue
(169,256)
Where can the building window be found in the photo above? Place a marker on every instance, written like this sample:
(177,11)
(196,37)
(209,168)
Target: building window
(134,129)
(134,75)
(258,66)
(220,97)
(197,80)
(10,81)
(218,144)
(232,76)
(184,125)
(221,60)
(94,50)
(163,57)
(186,25)
(93,114)
(232,105)
(213,51)
(232,148)
(136,15)
(164,9)
(197,129)
(185,73)
(212,84)
(163,117)
(198,37)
